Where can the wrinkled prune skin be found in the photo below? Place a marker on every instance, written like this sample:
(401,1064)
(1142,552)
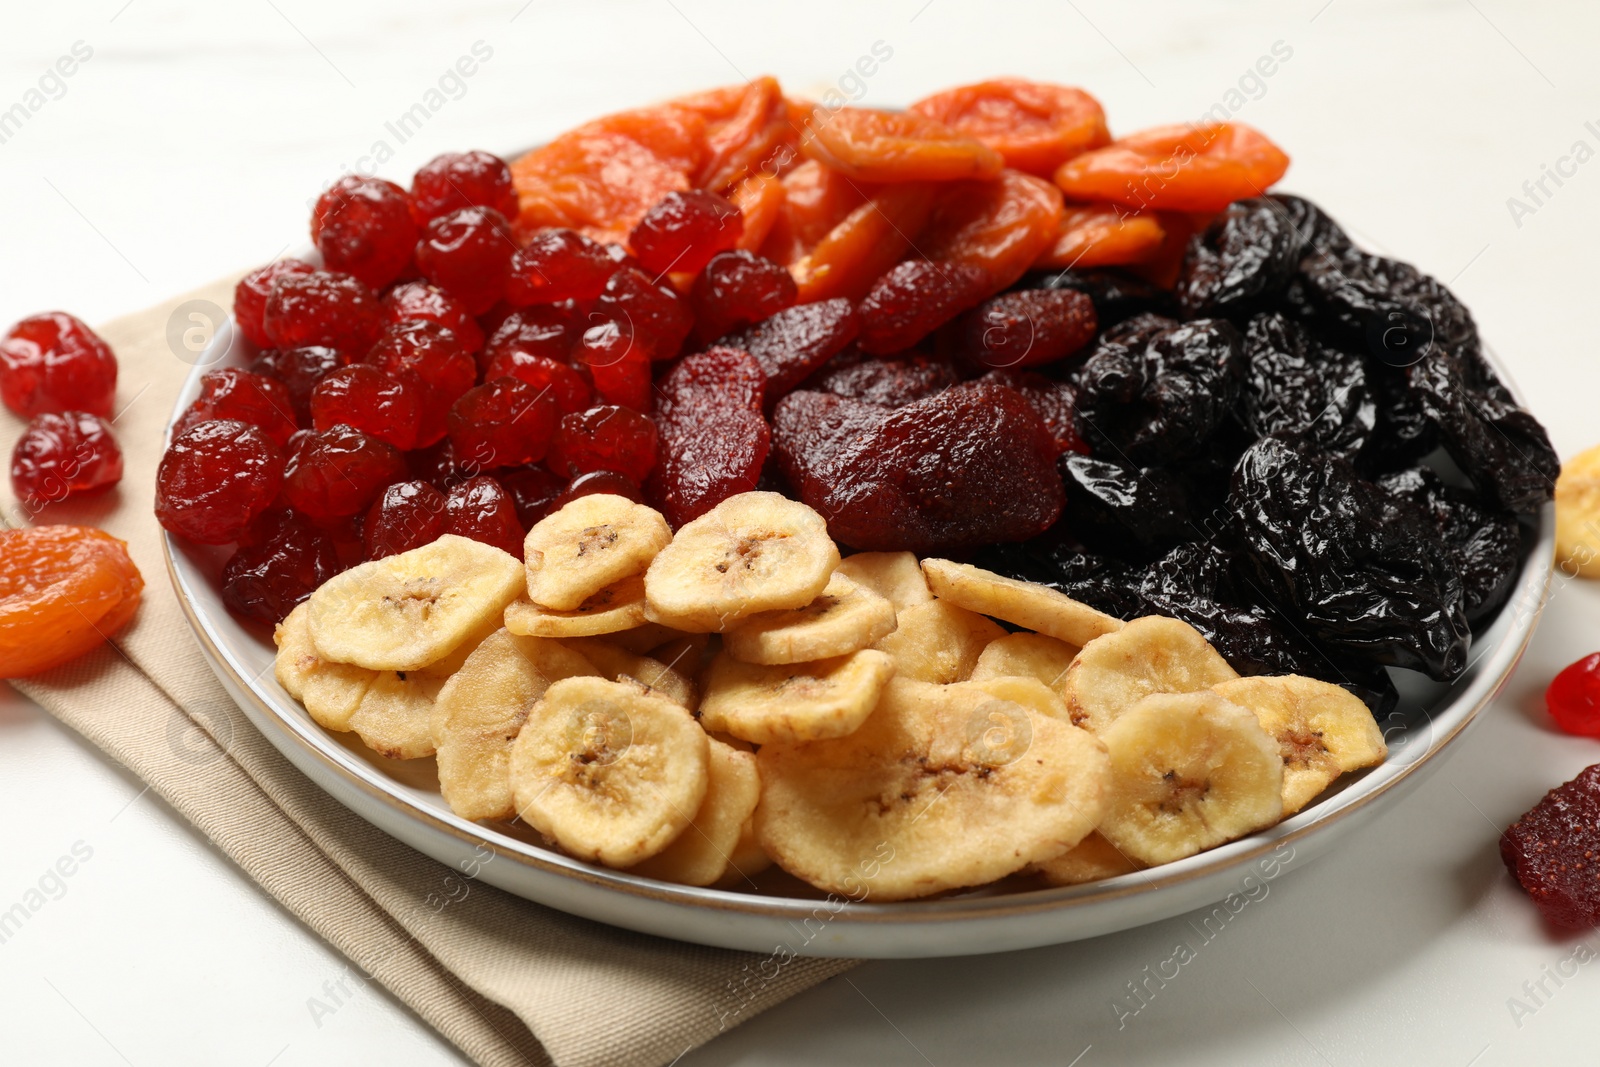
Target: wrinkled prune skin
(1403,433)
(1488,542)
(889,382)
(1318,232)
(967,467)
(1116,295)
(1368,571)
(1244,258)
(1124,510)
(1296,386)
(1154,390)
(1104,582)
(1387,309)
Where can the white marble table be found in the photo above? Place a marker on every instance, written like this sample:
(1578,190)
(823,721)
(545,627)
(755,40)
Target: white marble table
(190,142)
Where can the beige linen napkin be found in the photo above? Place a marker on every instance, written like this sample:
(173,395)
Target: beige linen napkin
(507,981)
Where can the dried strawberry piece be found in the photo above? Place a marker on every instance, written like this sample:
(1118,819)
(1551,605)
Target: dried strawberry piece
(502,423)
(532,489)
(796,341)
(1029,327)
(1554,852)
(250,297)
(659,320)
(53,362)
(559,265)
(338,472)
(299,369)
(684,230)
(420,300)
(406,515)
(60,456)
(606,437)
(363,226)
(719,379)
(456,180)
(1055,402)
(322,308)
(481,509)
(436,356)
(595,482)
(216,477)
(364,397)
(889,382)
(265,580)
(737,288)
(970,466)
(915,298)
(239,394)
(467,253)
(713,439)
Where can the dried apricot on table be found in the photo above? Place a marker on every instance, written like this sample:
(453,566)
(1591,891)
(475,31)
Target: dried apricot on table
(63,590)
(1177,168)
(1001,226)
(894,146)
(1036,126)
(1103,235)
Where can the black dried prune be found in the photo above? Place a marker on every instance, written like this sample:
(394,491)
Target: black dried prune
(1318,232)
(1116,294)
(1154,390)
(1122,509)
(1106,583)
(1366,570)
(1297,386)
(1488,542)
(1404,433)
(1392,311)
(890,382)
(1244,258)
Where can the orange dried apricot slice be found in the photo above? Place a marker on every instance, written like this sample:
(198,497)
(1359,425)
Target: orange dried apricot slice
(1036,126)
(1002,226)
(63,590)
(816,199)
(746,127)
(675,135)
(598,183)
(759,199)
(1103,235)
(869,241)
(1177,168)
(894,146)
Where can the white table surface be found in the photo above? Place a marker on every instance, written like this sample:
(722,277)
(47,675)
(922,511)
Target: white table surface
(189,145)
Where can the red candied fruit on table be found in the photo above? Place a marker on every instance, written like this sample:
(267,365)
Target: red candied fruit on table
(1029,327)
(433,354)
(1554,852)
(502,423)
(406,515)
(215,478)
(299,369)
(605,438)
(915,298)
(250,297)
(558,265)
(363,226)
(713,439)
(793,343)
(338,472)
(970,466)
(364,397)
(533,489)
(565,384)
(65,455)
(888,382)
(547,330)
(737,288)
(265,580)
(467,253)
(660,321)
(322,308)
(53,362)
(420,300)
(1573,698)
(596,482)
(456,180)
(239,394)
(481,509)
(1056,403)
(684,230)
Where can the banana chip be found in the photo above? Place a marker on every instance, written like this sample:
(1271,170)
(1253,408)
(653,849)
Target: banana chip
(1578,514)
(1154,654)
(794,703)
(895,576)
(594,542)
(330,691)
(703,853)
(938,642)
(1033,607)
(1093,859)
(1030,655)
(1029,692)
(846,618)
(615,608)
(619,664)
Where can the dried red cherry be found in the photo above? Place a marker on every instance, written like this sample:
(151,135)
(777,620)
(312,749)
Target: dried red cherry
(338,472)
(1554,852)
(606,437)
(659,320)
(916,297)
(684,230)
(456,180)
(239,394)
(415,300)
(737,288)
(481,509)
(371,401)
(1574,697)
(406,515)
(215,478)
(437,465)
(265,580)
(435,355)
(532,489)
(569,388)
(322,308)
(796,341)
(547,330)
(250,297)
(1029,327)
(53,362)
(625,382)
(58,456)
(299,369)
(467,253)
(363,226)
(713,440)
(502,423)
(558,265)
(595,482)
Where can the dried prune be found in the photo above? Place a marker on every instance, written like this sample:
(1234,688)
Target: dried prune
(1116,294)
(798,340)
(1297,386)
(1243,258)
(1104,582)
(713,440)
(915,298)
(1318,232)
(1488,542)
(1153,389)
(963,468)
(1403,433)
(1366,570)
(1123,510)
(890,382)
(1389,310)
(1056,402)
(1552,851)
(1028,327)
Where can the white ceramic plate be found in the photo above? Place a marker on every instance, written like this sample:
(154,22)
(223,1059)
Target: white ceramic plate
(403,800)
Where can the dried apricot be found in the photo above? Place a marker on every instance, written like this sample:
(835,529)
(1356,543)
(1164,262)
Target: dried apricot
(1162,265)
(1036,126)
(745,126)
(1103,235)
(759,199)
(1177,168)
(815,200)
(894,146)
(63,590)
(1001,226)
(599,184)
(869,241)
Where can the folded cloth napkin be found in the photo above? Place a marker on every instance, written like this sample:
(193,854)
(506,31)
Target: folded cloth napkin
(506,980)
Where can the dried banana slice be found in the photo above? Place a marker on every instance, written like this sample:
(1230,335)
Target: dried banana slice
(753,552)
(1033,607)
(938,642)
(1093,859)
(403,612)
(1029,692)
(1153,654)
(619,664)
(1322,731)
(395,716)
(330,691)
(480,710)
(702,854)
(941,787)
(613,609)
(1189,771)
(591,543)
(846,618)
(609,770)
(1578,514)
(795,703)
(1029,655)
(747,859)
(895,576)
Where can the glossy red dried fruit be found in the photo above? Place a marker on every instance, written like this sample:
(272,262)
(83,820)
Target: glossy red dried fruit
(609,482)
(322,308)
(420,300)
(339,472)
(970,466)
(738,288)
(545,330)
(467,253)
(684,230)
(533,489)
(889,382)
(914,299)
(1029,327)
(363,226)
(659,320)
(59,456)
(435,355)
(1573,698)
(605,438)
(480,509)
(793,343)
(214,478)
(406,515)
(455,180)
(238,394)
(264,581)
(1056,403)
(570,389)
(625,382)
(437,465)
(299,369)
(371,401)
(1554,852)
(713,439)
(502,423)
(53,362)
(250,297)
(558,265)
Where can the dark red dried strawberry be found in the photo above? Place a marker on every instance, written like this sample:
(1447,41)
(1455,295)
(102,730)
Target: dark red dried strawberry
(239,394)
(720,378)
(406,515)
(532,489)
(737,288)
(559,265)
(266,579)
(1029,327)
(322,308)
(299,369)
(363,226)
(1554,852)
(659,320)
(605,438)
(915,298)
(338,472)
(795,342)
(684,230)
(890,382)
(215,478)
(713,439)
(411,301)
(250,297)
(481,509)
(1053,400)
